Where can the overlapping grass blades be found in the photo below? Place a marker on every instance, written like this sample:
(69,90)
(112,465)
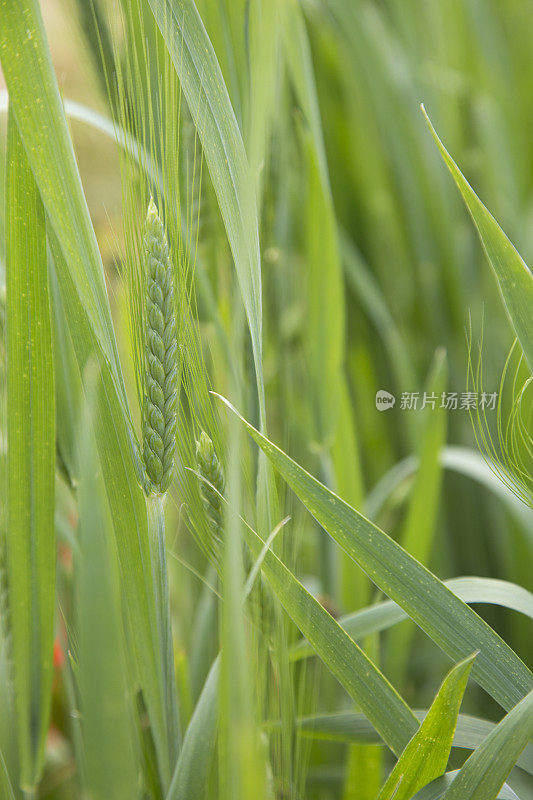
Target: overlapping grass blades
(350,665)
(380,616)
(483,774)
(441,614)
(114,442)
(29,74)
(415,260)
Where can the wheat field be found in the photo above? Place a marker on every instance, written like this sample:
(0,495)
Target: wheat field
(266,419)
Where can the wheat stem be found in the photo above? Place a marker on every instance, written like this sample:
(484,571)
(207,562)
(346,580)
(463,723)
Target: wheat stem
(156,528)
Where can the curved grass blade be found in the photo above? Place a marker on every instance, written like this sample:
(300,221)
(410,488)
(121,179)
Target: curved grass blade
(191,776)
(381,616)
(426,755)
(351,666)
(483,774)
(512,273)
(30,459)
(434,608)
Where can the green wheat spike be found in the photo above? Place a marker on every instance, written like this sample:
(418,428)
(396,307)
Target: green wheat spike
(212,488)
(161,359)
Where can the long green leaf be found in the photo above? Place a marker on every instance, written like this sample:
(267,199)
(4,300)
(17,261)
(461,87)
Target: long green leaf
(442,615)
(512,273)
(30,460)
(483,774)
(242,764)
(426,755)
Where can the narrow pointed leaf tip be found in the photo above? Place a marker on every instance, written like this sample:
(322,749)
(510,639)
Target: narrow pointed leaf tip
(512,273)
(427,753)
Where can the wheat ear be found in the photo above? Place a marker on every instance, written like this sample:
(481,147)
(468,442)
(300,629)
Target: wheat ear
(212,488)
(161,359)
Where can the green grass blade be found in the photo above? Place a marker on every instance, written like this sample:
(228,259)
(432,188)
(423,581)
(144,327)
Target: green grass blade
(30,460)
(381,616)
(191,776)
(483,774)
(34,96)
(350,665)
(513,275)
(426,755)
(69,389)
(442,615)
